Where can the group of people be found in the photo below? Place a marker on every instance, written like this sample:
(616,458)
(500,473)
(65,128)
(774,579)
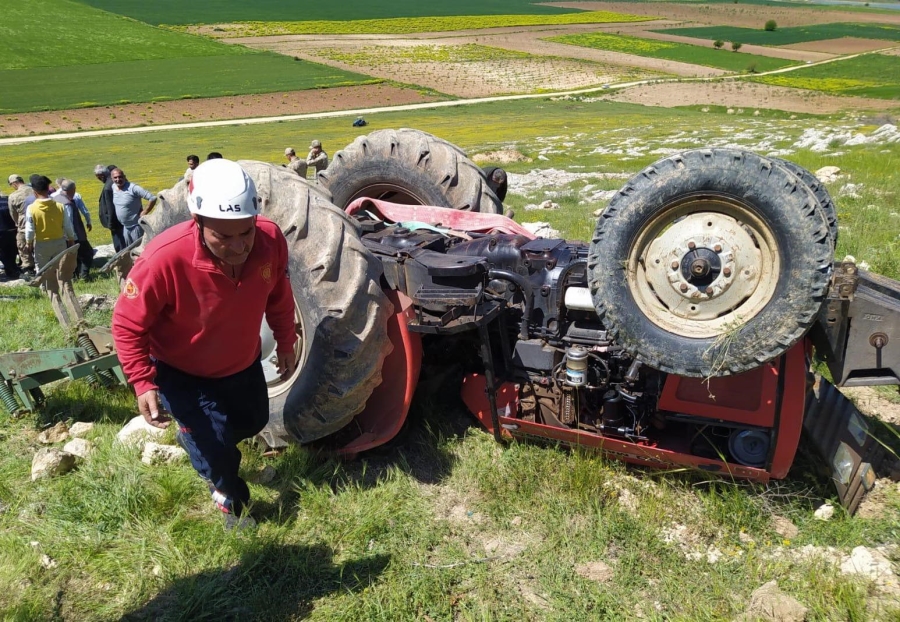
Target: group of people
(316,158)
(41,218)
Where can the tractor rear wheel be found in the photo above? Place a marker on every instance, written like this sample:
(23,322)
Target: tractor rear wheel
(409,167)
(341,309)
(710,263)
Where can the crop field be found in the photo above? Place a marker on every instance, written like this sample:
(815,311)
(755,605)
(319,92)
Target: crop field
(873,75)
(683,52)
(407,25)
(213,11)
(445,525)
(471,70)
(166,79)
(100,59)
(788,36)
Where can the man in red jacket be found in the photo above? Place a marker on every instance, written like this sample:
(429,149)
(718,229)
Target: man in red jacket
(187,326)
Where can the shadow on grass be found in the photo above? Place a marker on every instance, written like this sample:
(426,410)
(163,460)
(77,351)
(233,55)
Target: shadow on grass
(421,450)
(87,401)
(273,582)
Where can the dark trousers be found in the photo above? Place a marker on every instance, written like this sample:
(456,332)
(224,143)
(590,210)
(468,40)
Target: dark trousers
(118,238)
(8,252)
(85,258)
(214,415)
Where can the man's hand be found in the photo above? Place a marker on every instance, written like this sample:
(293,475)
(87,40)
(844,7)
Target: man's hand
(149,407)
(287,363)
(89,228)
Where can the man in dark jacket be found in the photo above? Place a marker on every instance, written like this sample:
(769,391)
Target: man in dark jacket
(107,210)
(8,251)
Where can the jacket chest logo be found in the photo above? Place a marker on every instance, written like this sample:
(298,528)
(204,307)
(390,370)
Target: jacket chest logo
(266,272)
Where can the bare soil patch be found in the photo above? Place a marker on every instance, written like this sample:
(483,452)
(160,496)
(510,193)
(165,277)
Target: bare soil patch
(874,405)
(208,109)
(844,45)
(741,15)
(747,96)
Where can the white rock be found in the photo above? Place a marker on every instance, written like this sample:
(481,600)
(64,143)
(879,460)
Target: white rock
(154,453)
(828,174)
(56,434)
(50,462)
(729,111)
(756,113)
(137,431)
(80,428)
(824,511)
(704,109)
(104,251)
(867,562)
(79,447)
(48,562)
(541,229)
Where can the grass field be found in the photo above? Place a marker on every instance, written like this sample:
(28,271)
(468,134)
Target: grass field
(788,36)
(55,88)
(694,54)
(407,25)
(872,75)
(444,525)
(99,58)
(218,11)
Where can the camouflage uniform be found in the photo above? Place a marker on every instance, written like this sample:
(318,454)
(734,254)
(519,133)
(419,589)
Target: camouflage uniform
(17,212)
(298,165)
(317,160)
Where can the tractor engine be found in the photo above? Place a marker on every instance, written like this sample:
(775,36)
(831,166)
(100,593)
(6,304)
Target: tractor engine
(548,338)
(570,370)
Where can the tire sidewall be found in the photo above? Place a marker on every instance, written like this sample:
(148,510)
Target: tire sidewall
(758,337)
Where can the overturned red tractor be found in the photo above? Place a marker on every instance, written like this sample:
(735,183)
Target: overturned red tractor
(682,334)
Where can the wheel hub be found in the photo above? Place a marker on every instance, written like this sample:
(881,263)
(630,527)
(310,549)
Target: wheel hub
(703,269)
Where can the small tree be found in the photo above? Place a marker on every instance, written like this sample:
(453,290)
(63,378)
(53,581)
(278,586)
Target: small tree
(735,46)
(771,26)
(718,43)
(752,68)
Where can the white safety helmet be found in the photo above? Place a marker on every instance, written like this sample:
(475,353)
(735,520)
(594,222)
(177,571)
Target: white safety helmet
(220,188)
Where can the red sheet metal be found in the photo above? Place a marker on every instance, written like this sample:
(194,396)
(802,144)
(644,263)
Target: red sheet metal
(388,406)
(748,398)
(458,220)
(795,368)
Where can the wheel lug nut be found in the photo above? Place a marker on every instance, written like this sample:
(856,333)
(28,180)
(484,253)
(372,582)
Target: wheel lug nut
(726,271)
(709,291)
(684,287)
(717,248)
(692,245)
(674,265)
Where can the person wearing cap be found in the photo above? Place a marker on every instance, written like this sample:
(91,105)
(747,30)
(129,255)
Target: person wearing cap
(48,224)
(106,208)
(129,208)
(81,224)
(296,164)
(187,326)
(21,191)
(317,158)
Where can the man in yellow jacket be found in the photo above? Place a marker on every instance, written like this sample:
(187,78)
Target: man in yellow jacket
(48,225)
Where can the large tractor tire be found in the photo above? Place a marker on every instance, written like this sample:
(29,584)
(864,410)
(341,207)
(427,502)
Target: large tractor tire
(826,204)
(410,167)
(710,263)
(341,309)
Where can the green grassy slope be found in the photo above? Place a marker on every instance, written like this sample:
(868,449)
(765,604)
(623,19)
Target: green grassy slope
(54,33)
(98,58)
(57,88)
(694,54)
(788,36)
(218,11)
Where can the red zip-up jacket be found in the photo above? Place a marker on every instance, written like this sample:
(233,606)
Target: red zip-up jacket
(180,308)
